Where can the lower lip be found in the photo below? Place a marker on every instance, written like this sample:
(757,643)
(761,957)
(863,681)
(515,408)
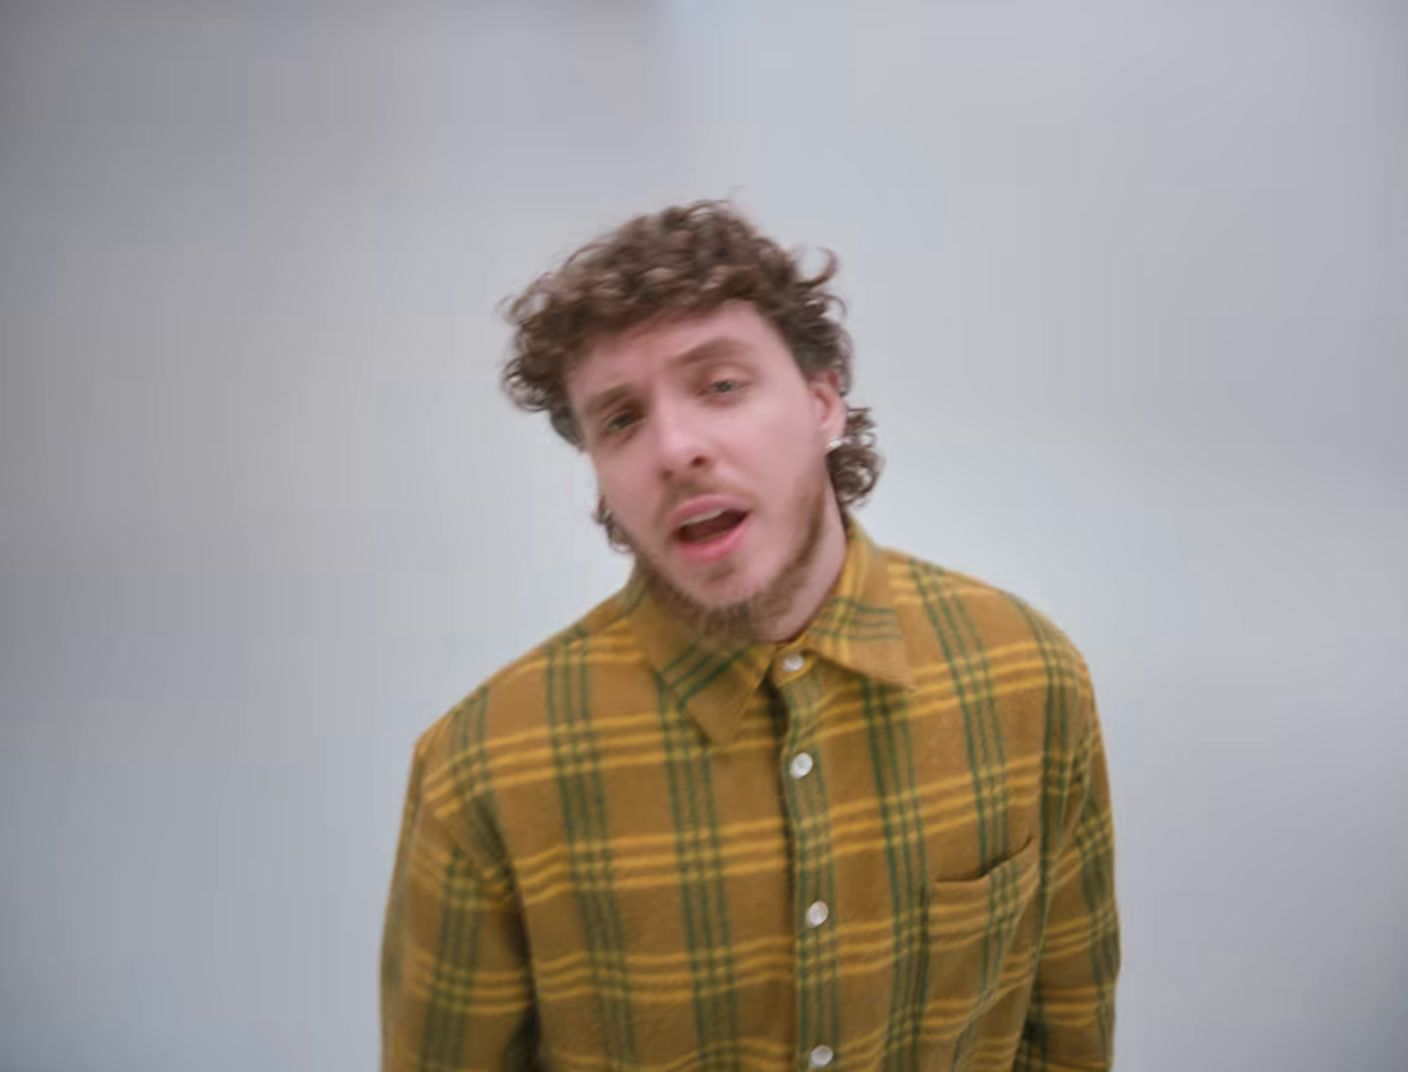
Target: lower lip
(708,551)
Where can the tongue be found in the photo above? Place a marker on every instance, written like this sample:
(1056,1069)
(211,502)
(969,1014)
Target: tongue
(707,530)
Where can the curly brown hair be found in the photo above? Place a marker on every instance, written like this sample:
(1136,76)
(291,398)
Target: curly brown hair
(684,260)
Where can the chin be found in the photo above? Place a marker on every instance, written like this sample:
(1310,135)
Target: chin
(715,596)
(723,585)
(718,602)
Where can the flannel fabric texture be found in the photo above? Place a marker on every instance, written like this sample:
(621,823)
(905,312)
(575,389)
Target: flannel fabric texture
(884,844)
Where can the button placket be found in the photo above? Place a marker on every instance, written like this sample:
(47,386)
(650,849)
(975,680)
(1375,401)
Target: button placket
(804,793)
(789,666)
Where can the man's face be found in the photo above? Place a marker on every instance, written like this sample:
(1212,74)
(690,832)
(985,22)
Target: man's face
(710,450)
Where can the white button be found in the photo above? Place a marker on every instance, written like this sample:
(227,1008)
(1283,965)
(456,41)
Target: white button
(793,661)
(817,913)
(801,765)
(820,1056)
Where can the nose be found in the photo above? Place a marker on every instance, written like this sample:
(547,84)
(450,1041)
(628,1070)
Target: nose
(680,444)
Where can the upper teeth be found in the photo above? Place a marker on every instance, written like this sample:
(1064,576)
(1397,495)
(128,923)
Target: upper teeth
(694,519)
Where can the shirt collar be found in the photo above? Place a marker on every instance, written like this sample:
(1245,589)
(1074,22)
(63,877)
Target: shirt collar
(856,628)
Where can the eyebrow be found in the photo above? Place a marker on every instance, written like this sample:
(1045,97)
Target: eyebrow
(711,349)
(599,402)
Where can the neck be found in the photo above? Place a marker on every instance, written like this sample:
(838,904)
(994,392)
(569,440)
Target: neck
(823,569)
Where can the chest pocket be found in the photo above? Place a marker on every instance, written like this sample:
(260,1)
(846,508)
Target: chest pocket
(980,941)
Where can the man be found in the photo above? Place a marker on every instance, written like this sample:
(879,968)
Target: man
(787,800)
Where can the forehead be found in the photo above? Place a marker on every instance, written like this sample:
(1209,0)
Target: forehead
(734,329)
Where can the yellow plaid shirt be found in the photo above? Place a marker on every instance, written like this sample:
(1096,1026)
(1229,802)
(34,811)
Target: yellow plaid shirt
(884,844)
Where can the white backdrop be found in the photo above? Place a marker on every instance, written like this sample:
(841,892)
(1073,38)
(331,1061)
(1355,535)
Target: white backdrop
(1128,291)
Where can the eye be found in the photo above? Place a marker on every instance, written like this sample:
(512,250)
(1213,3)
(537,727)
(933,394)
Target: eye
(618,422)
(725,387)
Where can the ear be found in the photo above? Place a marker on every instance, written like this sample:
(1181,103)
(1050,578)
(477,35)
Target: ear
(830,407)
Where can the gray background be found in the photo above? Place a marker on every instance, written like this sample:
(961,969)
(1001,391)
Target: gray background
(1128,290)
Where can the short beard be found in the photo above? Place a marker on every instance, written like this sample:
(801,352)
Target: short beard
(745,621)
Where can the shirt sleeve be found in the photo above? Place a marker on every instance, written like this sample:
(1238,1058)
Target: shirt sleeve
(455,986)
(1070,1022)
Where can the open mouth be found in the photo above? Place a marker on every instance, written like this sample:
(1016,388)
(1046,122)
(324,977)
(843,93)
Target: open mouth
(709,538)
(714,525)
